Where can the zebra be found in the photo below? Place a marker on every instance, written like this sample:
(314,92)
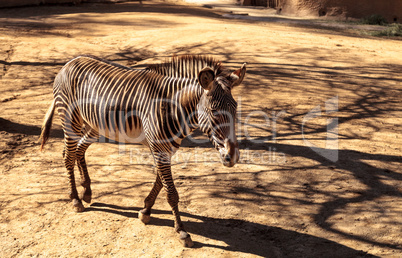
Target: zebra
(157,106)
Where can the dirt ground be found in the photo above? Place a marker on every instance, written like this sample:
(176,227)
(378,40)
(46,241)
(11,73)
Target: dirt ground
(319,129)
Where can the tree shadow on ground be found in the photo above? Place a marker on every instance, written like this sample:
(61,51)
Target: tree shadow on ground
(349,160)
(90,13)
(35,26)
(16,128)
(372,100)
(103,8)
(243,236)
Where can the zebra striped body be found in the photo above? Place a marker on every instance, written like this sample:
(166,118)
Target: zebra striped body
(122,104)
(157,106)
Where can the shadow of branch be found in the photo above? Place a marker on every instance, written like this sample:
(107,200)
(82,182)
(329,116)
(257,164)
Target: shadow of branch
(243,236)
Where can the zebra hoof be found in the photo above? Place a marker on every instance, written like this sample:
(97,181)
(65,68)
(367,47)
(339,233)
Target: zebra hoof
(144,217)
(185,239)
(87,196)
(77,205)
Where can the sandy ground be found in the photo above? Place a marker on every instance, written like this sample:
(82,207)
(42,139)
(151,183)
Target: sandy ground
(305,86)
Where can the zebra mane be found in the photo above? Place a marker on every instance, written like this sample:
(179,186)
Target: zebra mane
(186,66)
(107,62)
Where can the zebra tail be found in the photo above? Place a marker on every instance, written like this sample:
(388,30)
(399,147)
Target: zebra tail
(47,124)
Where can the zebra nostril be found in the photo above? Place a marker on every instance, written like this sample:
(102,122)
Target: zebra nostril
(227,158)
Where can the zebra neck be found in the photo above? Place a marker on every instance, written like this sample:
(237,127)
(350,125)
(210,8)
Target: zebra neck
(188,98)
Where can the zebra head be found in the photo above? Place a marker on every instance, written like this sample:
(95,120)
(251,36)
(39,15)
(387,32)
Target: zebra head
(217,111)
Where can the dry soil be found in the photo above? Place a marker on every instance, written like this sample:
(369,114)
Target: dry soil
(319,130)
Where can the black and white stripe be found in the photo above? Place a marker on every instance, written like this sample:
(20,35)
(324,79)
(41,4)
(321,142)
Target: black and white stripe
(157,106)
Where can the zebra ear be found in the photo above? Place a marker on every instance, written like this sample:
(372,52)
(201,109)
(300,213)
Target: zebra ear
(237,76)
(205,77)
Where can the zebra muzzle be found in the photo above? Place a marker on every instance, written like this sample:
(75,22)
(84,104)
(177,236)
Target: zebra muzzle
(230,155)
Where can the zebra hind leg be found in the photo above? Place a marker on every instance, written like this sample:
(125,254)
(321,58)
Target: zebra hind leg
(69,162)
(145,214)
(72,124)
(90,137)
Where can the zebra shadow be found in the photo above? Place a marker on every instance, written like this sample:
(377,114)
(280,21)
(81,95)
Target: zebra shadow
(242,236)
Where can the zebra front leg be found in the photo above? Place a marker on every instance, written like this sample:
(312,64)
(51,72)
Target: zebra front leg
(173,200)
(164,171)
(145,214)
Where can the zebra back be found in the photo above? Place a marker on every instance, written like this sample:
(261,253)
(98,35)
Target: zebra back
(186,66)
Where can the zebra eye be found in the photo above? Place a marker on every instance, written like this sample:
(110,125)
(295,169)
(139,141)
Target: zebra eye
(213,108)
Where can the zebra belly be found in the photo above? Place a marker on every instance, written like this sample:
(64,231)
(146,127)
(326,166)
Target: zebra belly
(136,135)
(121,134)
